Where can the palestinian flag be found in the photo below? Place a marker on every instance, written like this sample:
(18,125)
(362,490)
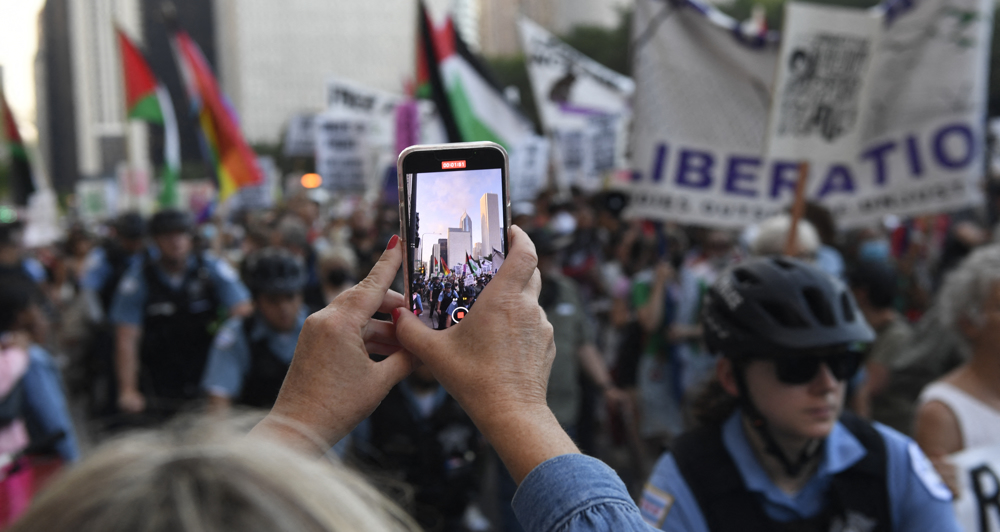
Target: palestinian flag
(472,264)
(148,100)
(235,163)
(470,102)
(21,183)
(434,263)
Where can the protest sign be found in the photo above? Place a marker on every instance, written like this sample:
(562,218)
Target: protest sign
(343,156)
(978,504)
(583,105)
(825,56)
(529,167)
(699,147)
(300,137)
(97,199)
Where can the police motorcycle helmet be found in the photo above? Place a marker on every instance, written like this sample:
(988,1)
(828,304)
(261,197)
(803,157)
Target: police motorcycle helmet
(273,271)
(793,313)
(130,225)
(170,221)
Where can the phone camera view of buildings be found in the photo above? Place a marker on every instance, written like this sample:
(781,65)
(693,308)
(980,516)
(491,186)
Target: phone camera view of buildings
(456,241)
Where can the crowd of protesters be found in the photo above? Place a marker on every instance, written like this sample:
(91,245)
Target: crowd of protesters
(126,323)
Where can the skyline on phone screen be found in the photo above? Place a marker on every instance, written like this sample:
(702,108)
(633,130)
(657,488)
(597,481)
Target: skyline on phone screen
(443,199)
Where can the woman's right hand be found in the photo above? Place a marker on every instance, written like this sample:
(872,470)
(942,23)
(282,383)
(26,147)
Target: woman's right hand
(496,362)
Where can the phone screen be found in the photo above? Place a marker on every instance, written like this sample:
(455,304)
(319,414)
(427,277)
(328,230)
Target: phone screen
(457,234)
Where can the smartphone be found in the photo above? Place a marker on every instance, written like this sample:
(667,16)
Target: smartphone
(454,215)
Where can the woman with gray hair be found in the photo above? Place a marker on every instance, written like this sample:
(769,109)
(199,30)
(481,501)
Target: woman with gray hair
(962,409)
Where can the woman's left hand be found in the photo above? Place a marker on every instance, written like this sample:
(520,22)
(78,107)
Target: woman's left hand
(333,384)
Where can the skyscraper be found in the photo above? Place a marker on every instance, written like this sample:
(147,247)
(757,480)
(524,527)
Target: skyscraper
(490,218)
(465,222)
(459,244)
(443,250)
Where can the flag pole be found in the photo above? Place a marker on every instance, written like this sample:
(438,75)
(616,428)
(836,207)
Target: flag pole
(798,208)
(126,121)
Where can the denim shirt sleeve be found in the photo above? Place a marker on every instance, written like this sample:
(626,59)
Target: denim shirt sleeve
(575,493)
(46,403)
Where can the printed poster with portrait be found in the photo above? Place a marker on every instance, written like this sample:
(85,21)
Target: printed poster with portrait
(823,69)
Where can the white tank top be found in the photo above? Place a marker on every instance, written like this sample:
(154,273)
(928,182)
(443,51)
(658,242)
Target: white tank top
(978,422)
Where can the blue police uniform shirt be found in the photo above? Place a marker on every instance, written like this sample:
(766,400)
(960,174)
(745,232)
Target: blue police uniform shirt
(229,357)
(97,269)
(34,269)
(920,500)
(129,304)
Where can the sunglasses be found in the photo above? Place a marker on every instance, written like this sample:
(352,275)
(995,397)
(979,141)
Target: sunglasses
(802,369)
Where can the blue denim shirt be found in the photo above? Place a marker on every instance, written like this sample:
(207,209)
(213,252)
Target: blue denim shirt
(574,492)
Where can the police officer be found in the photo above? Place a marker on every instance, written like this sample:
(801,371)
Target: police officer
(250,356)
(444,305)
(775,451)
(107,263)
(420,435)
(13,258)
(165,312)
(102,271)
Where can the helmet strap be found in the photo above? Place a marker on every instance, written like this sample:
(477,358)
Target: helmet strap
(757,420)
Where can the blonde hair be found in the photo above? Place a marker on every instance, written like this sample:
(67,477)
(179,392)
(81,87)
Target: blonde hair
(199,478)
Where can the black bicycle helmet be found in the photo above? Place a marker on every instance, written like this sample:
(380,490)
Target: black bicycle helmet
(130,225)
(780,307)
(273,271)
(170,221)
(771,306)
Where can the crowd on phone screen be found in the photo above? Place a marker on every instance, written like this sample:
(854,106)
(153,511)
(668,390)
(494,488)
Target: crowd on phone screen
(623,297)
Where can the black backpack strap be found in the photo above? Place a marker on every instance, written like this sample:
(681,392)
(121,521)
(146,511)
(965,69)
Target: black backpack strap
(863,488)
(717,484)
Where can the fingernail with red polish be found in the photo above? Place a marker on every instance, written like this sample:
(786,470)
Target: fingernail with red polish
(392,242)
(395,312)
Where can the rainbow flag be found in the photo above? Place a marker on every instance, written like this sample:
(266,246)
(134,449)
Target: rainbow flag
(234,161)
(21,183)
(148,100)
(444,267)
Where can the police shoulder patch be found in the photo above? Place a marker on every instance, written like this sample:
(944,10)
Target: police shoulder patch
(225,271)
(129,285)
(928,476)
(225,339)
(655,505)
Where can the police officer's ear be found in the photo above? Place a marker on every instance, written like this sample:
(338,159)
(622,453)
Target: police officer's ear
(726,373)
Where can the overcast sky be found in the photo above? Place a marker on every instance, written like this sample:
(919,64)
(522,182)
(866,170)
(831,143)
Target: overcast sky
(443,196)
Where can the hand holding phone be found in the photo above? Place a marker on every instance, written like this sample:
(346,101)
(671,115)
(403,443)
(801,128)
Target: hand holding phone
(454,212)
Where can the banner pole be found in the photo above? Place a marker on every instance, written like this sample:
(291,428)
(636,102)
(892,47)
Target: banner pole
(798,208)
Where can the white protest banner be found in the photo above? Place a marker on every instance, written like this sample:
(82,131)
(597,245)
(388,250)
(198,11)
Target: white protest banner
(300,137)
(826,53)
(470,280)
(978,504)
(342,154)
(583,105)
(698,137)
(529,168)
